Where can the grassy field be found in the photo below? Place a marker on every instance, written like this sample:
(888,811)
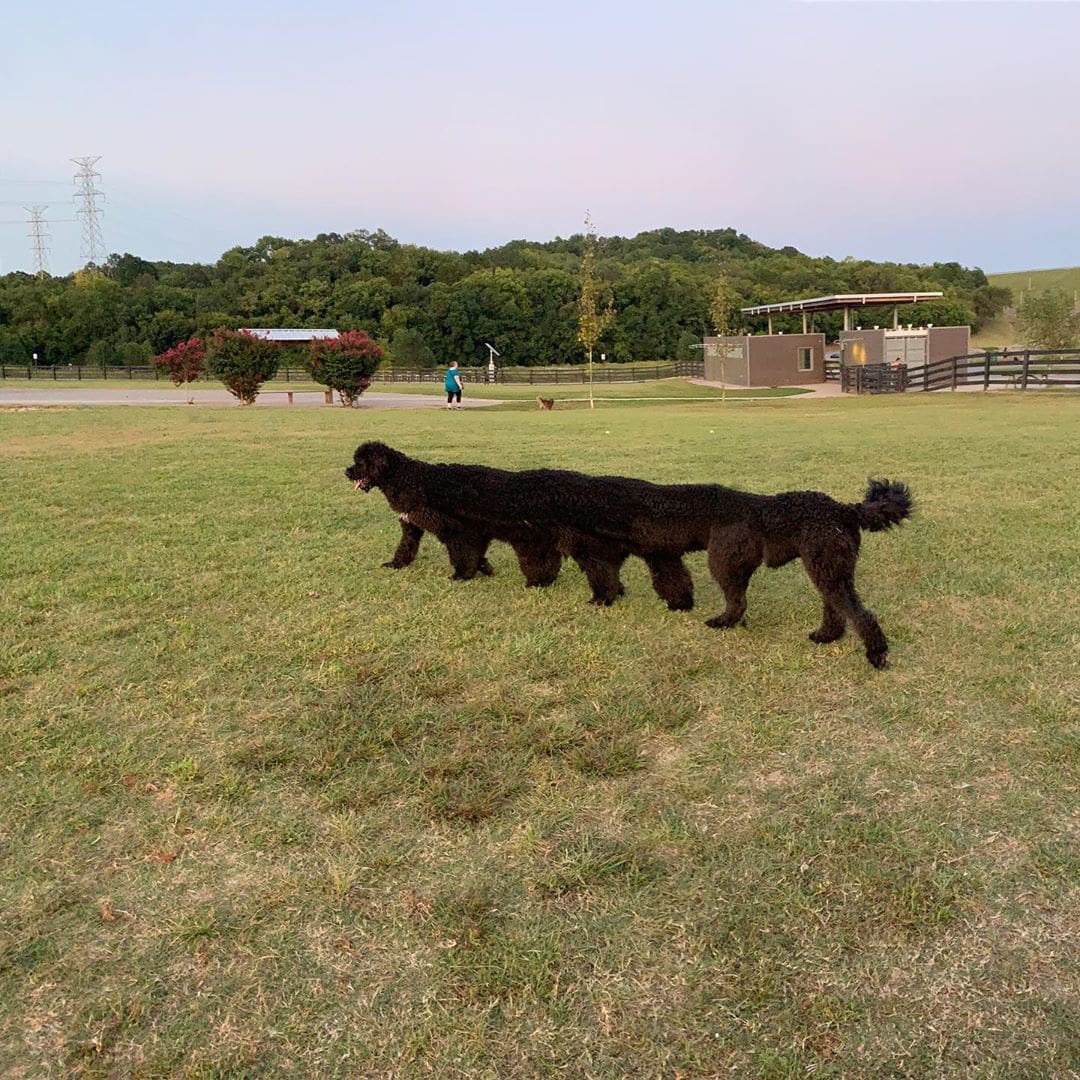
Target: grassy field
(563,393)
(270,810)
(1020,281)
(1002,331)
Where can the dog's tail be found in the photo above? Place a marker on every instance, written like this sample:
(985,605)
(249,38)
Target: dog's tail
(886,503)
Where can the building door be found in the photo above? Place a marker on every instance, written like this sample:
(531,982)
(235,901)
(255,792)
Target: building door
(910,348)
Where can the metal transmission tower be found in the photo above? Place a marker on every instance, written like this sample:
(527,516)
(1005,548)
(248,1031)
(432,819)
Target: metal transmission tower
(39,236)
(93,247)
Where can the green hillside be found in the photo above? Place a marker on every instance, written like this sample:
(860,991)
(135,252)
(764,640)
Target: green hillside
(1019,281)
(1001,330)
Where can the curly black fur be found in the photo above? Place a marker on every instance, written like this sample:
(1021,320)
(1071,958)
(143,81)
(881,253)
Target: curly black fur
(466,506)
(738,530)
(600,520)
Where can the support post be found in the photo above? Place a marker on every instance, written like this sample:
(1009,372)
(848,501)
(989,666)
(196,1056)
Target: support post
(1027,364)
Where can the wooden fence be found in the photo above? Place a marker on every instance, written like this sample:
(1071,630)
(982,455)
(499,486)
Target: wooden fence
(611,373)
(1025,370)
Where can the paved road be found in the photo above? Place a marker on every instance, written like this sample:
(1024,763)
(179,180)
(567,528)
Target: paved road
(138,396)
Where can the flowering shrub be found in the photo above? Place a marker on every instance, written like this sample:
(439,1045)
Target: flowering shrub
(345,363)
(242,361)
(183,363)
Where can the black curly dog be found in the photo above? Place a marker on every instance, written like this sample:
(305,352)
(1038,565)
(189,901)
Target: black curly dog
(467,506)
(609,517)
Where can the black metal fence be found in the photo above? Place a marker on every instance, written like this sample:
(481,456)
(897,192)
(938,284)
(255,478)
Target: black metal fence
(1024,370)
(611,373)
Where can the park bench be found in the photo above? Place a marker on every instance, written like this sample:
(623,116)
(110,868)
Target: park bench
(327,394)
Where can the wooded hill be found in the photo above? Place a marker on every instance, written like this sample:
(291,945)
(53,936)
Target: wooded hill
(427,307)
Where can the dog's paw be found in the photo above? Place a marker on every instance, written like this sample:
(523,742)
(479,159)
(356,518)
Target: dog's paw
(724,622)
(461,577)
(485,569)
(391,565)
(539,583)
(602,601)
(880,660)
(820,638)
(684,603)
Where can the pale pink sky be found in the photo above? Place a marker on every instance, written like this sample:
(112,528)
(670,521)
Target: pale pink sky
(890,130)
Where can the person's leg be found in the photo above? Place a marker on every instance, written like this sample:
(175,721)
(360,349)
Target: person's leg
(449,399)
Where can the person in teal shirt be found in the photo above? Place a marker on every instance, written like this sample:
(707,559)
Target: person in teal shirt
(452,384)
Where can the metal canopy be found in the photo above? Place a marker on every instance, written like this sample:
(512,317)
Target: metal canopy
(291,334)
(839,303)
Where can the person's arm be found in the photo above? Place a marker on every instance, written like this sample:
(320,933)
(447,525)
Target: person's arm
(460,384)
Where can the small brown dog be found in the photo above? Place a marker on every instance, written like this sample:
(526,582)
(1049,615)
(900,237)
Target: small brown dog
(546,403)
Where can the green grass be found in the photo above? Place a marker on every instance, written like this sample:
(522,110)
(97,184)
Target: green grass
(658,390)
(1002,331)
(270,810)
(1020,281)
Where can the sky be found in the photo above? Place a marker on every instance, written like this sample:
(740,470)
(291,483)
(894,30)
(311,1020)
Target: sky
(883,129)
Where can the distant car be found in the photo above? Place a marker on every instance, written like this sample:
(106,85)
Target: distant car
(832,356)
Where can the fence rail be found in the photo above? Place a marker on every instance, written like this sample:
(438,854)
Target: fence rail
(1026,370)
(579,374)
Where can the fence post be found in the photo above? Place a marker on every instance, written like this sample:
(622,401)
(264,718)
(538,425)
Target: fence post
(986,373)
(954,372)
(1027,364)
(79,373)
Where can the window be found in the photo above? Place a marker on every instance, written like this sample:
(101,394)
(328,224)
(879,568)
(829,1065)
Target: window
(806,359)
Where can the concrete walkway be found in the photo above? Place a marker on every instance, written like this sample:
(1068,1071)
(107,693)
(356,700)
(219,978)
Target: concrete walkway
(269,399)
(815,390)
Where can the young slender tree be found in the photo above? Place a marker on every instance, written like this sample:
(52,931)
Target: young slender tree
(721,308)
(594,316)
(1048,320)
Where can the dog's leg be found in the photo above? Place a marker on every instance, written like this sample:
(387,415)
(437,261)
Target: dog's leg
(483,566)
(465,555)
(735,552)
(540,562)
(671,581)
(603,577)
(411,535)
(832,570)
(832,625)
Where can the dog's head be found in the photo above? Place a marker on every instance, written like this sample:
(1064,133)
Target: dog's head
(373,464)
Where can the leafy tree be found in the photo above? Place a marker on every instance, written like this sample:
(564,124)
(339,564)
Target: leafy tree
(183,363)
(721,309)
(102,354)
(168,328)
(1048,320)
(345,364)
(133,353)
(594,316)
(242,361)
(13,351)
(408,349)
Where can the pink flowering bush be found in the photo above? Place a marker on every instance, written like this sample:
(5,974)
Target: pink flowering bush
(242,361)
(183,363)
(345,363)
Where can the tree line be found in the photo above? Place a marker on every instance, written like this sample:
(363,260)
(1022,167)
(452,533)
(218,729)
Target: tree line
(664,290)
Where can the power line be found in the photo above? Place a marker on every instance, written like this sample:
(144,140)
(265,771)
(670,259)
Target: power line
(93,247)
(39,236)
